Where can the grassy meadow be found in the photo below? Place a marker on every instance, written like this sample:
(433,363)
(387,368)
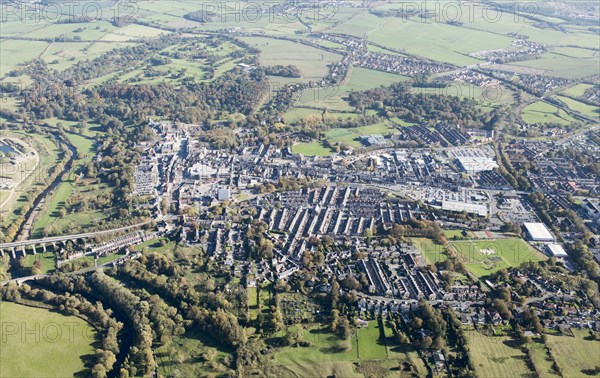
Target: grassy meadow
(57,348)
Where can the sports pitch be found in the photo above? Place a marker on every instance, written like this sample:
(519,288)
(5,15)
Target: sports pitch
(484,257)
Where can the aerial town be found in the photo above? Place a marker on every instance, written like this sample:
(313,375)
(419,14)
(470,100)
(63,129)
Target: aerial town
(300,189)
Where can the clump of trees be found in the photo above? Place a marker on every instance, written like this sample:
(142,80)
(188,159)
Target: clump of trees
(397,100)
(283,71)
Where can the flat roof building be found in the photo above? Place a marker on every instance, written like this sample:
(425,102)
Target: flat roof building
(476,164)
(471,208)
(373,140)
(224,194)
(556,250)
(538,232)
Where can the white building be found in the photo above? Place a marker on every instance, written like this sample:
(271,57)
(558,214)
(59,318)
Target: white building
(471,208)
(224,194)
(476,164)
(538,232)
(556,250)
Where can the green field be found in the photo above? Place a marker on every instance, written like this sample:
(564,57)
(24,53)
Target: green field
(429,250)
(156,245)
(458,234)
(563,66)
(496,356)
(483,257)
(437,41)
(370,344)
(542,112)
(182,357)
(45,258)
(542,360)
(263,299)
(360,79)
(326,355)
(588,110)
(577,90)
(296,114)
(15,53)
(349,136)
(53,346)
(311,149)
(311,62)
(64,55)
(575,354)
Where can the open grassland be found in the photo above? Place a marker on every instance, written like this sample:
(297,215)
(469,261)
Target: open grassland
(563,66)
(496,356)
(45,258)
(577,90)
(132,32)
(15,53)
(62,55)
(541,359)
(457,234)
(332,98)
(371,343)
(80,31)
(575,355)
(437,41)
(482,28)
(57,347)
(250,17)
(429,250)
(183,356)
(574,52)
(360,79)
(315,148)
(578,106)
(156,245)
(370,348)
(542,112)
(296,114)
(312,62)
(259,299)
(349,136)
(484,257)
(432,40)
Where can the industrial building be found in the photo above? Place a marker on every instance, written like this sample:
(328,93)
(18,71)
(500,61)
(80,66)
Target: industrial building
(556,250)
(538,232)
(476,164)
(471,208)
